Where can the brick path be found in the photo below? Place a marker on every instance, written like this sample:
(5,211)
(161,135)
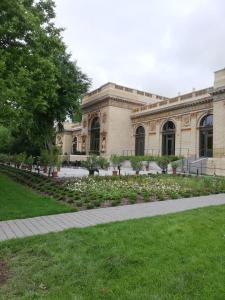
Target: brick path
(54,223)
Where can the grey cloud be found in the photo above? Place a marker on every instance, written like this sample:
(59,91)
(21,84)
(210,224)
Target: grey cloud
(160,46)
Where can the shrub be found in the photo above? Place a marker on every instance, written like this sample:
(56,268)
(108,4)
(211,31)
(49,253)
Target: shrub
(116,161)
(163,162)
(136,164)
(94,163)
(4,158)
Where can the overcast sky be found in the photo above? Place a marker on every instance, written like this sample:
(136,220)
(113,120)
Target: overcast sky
(161,46)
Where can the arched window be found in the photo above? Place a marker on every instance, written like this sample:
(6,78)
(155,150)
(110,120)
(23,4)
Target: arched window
(206,136)
(75,145)
(95,136)
(168,138)
(140,141)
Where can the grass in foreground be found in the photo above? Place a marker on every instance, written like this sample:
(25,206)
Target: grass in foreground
(17,201)
(179,256)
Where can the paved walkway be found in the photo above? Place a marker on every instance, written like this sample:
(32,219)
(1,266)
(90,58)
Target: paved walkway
(54,223)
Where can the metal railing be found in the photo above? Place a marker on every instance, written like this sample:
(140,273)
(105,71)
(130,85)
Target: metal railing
(156,152)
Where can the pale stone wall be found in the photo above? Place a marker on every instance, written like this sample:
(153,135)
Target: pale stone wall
(219,128)
(65,138)
(215,166)
(119,131)
(67,142)
(219,80)
(219,114)
(186,121)
(121,110)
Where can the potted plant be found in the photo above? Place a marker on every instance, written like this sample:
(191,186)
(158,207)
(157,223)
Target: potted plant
(92,164)
(45,159)
(116,161)
(103,162)
(58,165)
(136,164)
(163,163)
(55,160)
(29,162)
(174,166)
(20,158)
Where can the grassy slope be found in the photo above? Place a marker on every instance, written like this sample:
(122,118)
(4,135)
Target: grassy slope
(179,256)
(17,201)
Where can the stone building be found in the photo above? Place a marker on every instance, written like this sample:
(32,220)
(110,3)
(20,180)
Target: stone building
(126,121)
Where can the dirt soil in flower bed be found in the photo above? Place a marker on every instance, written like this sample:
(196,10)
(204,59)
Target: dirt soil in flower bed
(98,191)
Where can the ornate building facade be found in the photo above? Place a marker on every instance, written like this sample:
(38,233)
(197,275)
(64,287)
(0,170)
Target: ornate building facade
(126,121)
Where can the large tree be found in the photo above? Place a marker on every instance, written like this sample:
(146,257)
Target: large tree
(39,84)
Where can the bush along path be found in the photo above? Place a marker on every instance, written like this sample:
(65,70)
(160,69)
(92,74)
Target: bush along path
(54,223)
(97,191)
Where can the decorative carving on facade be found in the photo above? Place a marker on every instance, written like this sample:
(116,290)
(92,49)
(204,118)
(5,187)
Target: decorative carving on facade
(152,126)
(84,123)
(92,115)
(83,143)
(90,108)
(104,117)
(59,140)
(186,121)
(200,108)
(103,141)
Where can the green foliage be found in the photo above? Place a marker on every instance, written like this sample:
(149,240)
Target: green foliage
(163,162)
(29,160)
(19,158)
(40,85)
(116,160)
(103,162)
(4,158)
(51,157)
(6,140)
(136,164)
(45,157)
(175,164)
(96,191)
(94,163)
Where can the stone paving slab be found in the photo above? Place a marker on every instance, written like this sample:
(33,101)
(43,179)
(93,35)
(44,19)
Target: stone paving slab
(54,223)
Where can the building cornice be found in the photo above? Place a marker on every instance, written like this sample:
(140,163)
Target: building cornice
(218,91)
(108,97)
(172,107)
(112,98)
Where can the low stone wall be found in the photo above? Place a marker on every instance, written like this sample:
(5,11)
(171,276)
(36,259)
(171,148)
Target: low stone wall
(216,166)
(77,157)
(73,158)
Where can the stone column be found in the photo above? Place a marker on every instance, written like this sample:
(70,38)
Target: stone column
(193,150)
(178,144)
(219,114)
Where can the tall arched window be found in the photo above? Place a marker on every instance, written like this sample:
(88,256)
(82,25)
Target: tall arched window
(75,145)
(168,138)
(206,136)
(140,141)
(95,136)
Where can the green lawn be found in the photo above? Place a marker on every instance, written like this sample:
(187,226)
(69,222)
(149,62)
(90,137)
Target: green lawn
(17,201)
(178,256)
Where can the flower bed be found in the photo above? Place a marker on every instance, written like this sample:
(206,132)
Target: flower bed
(91,192)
